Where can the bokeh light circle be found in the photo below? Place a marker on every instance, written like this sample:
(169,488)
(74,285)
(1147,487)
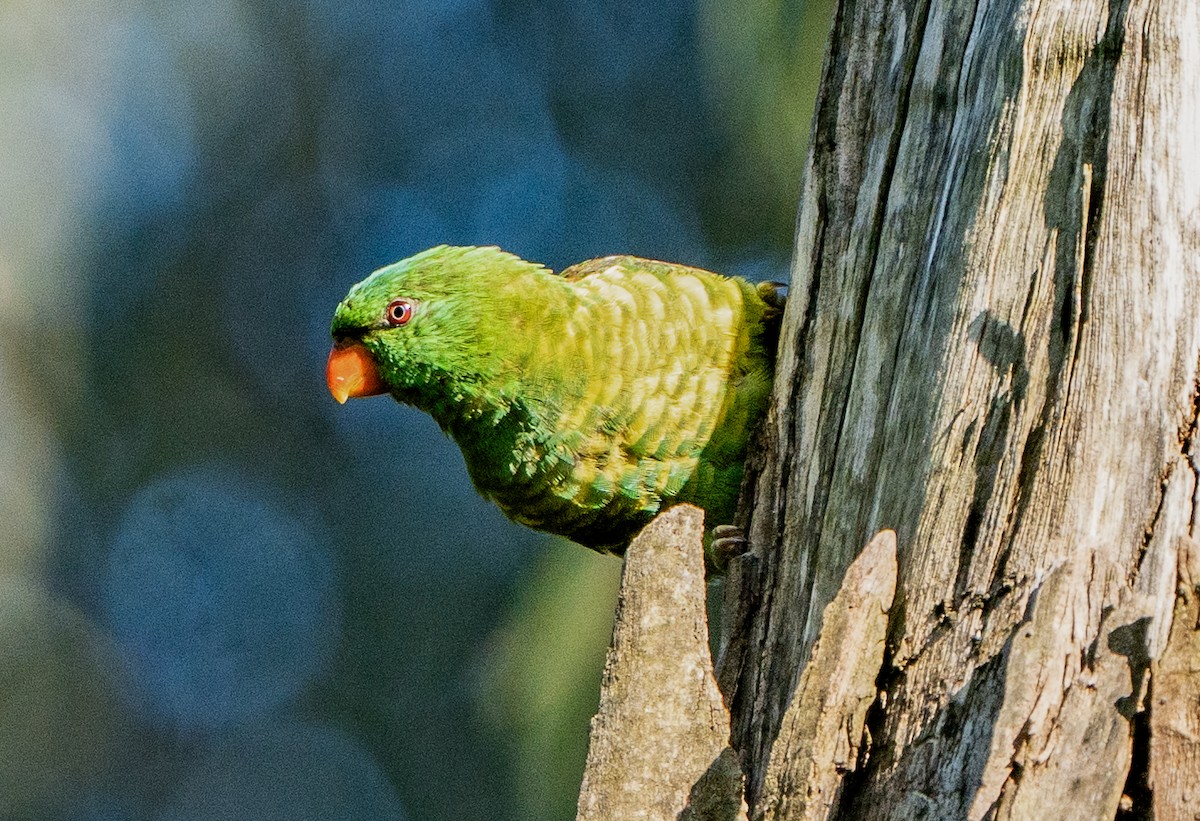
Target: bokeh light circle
(223,605)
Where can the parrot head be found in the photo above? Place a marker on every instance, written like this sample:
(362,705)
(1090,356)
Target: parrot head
(425,324)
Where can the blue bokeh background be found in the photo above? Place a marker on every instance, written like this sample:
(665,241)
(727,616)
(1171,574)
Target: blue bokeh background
(221,594)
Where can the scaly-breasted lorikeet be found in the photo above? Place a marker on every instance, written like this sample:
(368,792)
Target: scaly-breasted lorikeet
(584,402)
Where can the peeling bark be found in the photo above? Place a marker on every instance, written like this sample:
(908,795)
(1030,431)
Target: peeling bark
(660,742)
(1174,761)
(822,731)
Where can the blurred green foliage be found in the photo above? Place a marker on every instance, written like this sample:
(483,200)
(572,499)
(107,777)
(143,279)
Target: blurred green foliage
(545,691)
(759,59)
(222,595)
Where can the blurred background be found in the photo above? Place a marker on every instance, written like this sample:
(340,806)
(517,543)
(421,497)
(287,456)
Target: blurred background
(223,596)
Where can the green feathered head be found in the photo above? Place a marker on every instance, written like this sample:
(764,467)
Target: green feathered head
(438,321)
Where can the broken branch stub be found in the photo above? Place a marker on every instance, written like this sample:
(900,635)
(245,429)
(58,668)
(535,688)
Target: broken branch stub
(659,746)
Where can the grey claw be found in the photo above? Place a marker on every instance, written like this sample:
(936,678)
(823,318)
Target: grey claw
(728,542)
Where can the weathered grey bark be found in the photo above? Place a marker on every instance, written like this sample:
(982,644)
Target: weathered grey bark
(991,346)
(659,746)
(1174,771)
(822,731)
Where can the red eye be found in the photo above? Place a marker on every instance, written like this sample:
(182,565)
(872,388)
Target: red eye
(399,311)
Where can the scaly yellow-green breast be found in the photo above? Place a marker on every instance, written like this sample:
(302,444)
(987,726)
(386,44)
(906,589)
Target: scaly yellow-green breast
(643,386)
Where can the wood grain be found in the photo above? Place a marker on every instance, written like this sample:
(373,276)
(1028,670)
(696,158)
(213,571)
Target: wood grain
(822,731)
(659,746)
(991,346)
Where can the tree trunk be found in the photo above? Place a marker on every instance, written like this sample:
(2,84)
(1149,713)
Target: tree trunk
(991,347)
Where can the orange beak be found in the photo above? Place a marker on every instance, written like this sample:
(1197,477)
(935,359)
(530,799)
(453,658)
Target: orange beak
(351,371)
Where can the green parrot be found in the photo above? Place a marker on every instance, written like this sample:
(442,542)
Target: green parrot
(583,402)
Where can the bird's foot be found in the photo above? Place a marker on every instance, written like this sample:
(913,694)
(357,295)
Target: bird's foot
(728,542)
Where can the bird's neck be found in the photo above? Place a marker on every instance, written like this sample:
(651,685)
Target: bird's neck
(501,416)
(499,437)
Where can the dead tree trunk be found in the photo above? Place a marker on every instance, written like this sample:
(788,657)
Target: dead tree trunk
(991,347)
